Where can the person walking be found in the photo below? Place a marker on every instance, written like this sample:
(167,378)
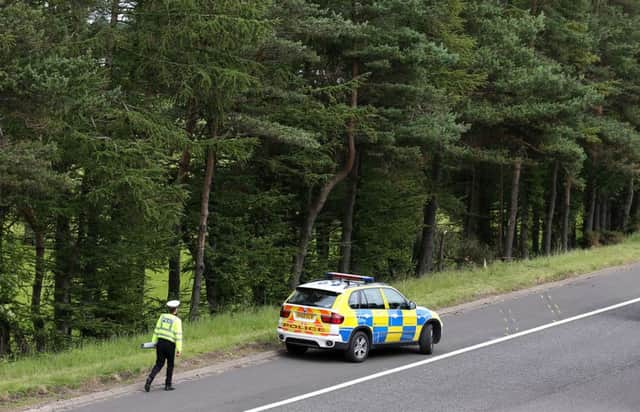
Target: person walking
(168,339)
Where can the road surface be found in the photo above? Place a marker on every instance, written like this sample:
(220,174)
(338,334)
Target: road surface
(522,353)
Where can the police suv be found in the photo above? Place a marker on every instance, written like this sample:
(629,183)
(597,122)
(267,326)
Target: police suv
(353,313)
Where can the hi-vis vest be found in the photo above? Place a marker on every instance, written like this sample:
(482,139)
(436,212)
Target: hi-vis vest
(169,327)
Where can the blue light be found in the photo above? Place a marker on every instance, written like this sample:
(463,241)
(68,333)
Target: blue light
(349,277)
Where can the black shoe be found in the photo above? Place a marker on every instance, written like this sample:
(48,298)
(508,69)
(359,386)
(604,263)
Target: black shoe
(169,388)
(147,385)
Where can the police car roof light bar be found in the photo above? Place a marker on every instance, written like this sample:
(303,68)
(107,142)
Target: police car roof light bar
(350,277)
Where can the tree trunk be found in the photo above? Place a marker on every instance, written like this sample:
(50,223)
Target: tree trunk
(552,209)
(567,211)
(617,214)
(5,336)
(2,217)
(425,261)
(501,214)
(604,224)
(471,228)
(38,279)
(113,22)
(429,227)
(175,266)
(88,238)
(485,203)
(535,231)
(21,342)
(175,269)
(347,222)
(36,295)
(524,224)
(316,206)
(202,230)
(597,214)
(441,252)
(627,207)
(513,213)
(635,211)
(312,212)
(3,212)
(590,217)
(63,273)
(5,327)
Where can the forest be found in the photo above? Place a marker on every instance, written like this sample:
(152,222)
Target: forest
(228,150)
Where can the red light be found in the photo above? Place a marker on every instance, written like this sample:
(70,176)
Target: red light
(284,313)
(333,318)
(349,276)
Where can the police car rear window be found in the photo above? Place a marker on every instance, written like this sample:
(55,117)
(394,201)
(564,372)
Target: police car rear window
(313,297)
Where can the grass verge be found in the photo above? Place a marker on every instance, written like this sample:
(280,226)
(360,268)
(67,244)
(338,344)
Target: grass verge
(451,288)
(120,358)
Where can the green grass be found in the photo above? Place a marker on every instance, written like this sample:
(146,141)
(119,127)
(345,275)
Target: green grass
(450,288)
(103,361)
(121,357)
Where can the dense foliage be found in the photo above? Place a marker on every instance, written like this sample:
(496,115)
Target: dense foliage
(242,147)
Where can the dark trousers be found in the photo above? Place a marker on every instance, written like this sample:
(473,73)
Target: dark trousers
(165,351)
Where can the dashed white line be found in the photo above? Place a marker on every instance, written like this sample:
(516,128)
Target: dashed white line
(440,357)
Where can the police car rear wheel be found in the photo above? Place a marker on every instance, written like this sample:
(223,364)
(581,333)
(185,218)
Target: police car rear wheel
(295,349)
(358,349)
(426,340)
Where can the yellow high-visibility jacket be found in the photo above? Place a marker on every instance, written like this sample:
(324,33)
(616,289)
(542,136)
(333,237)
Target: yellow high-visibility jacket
(169,327)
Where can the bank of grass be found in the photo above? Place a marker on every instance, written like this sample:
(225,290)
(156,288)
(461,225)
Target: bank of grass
(119,358)
(104,361)
(450,288)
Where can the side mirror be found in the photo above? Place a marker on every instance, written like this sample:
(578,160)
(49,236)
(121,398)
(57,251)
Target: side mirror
(412,305)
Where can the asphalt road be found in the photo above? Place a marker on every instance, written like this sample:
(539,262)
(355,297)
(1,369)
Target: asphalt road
(590,364)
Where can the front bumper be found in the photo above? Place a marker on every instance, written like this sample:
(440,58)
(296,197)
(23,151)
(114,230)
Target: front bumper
(311,341)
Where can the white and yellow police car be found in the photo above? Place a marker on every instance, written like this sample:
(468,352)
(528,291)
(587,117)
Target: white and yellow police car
(353,313)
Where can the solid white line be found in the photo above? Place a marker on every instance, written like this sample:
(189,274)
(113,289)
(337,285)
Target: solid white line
(440,357)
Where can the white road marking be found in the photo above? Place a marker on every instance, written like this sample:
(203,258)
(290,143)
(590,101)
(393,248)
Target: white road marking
(440,357)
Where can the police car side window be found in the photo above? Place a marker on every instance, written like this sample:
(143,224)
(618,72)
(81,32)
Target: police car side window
(374,299)
(395,299)
(356,300)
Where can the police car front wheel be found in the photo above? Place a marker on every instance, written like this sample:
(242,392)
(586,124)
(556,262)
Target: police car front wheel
(358,348)
(426,340)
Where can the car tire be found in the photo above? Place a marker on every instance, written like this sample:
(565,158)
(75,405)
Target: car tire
(358,349)
(295,349)
(426,339)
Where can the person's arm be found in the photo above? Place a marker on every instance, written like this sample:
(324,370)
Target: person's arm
(178,334)
(154,338)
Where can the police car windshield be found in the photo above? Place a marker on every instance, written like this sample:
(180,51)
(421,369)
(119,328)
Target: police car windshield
(313,297)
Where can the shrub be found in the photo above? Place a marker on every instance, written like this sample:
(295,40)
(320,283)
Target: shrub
(611,237)
(591,239)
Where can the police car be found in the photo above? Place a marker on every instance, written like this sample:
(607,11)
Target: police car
(353,313)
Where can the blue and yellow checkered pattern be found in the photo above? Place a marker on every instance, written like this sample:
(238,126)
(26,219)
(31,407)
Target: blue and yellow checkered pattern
(389,325)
